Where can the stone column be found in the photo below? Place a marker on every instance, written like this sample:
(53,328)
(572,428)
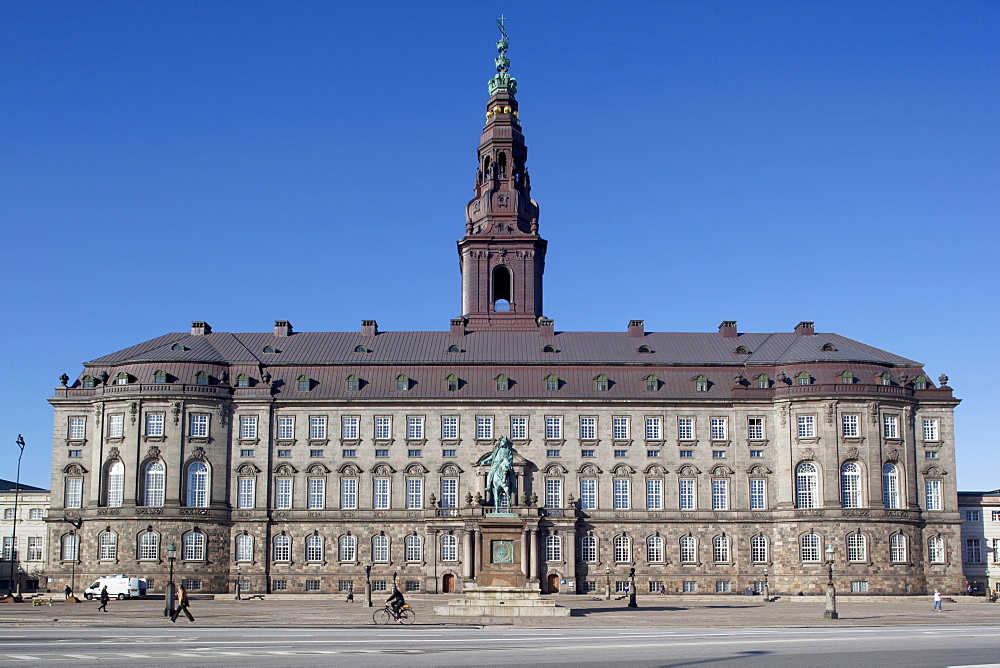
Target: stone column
(569,553)
(468,553)
(533,540)
(478,547)
(524,553)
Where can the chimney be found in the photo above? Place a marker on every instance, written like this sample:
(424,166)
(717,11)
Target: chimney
(200,328)
(458,326)
(546,326)
(636,328)
(805,327)
(369,328)
(282,328)
(727,329)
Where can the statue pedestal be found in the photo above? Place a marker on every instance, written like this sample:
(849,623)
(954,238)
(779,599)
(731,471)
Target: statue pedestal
(481,601)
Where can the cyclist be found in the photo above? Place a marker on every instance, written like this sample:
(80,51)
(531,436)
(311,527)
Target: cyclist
(396,602)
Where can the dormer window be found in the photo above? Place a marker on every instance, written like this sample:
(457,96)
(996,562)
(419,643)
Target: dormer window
(741,350)
(601,383)
(303,383)
(803,378)
(847,378)
(242,380)
(829,348)
(451,383)
(548,348)
(178,347)
(700,384)
(503,383)
(201,378)
(644,349)
(121,378)
(361,349)
(886,378)
(87,382)
(160,377)
(454,349)
(920,383)
(652,383)
(353,383)
(270,350)
(763,382)
(551,383)
(402,383)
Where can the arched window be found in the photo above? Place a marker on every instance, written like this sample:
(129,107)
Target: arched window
(402,383)
(803,378)
(806,486)
(847,378)
(601,383)
(654,549)
(935,550)
(897,548)
(314,548)
(857,547)
(115,484)
(454,349)
(69,547)
(197,485)
(700,384)
(360,349)
(243,380)
(720,549)
(193,546)
(763,382)
(850,485)
(107,546)
(809,547)
(548,348)
(885,378)
(414,548)
(380,549)
(551,383)
(503,383)
(347,548)
(920,383)
(160,377)
(149,546)
(87,382)
(449,547)
(890,485)
(652,383)
(451,383)
(353,383)
(623,549)
(588,550)
(553,548)
(303,383)
(244,547)
(282,548)
(270,350)
(201,378)
(154,482)
(121,378)
(758,549)
(644,349)
(689,549)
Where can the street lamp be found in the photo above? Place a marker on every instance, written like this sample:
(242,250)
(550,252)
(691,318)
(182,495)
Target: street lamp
(831,591)
(238,583)
(368,586)
(607,589)
(767,588)
(631,589)
(168,608)
(13,532)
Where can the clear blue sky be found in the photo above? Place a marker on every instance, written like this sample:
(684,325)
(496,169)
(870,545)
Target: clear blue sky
(241,162)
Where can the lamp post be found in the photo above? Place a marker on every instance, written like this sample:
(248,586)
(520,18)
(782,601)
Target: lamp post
(238,583)
(13,532)
(72,576)
(607,589)
(368,586)
(767,588)
(631,589)
(831,591)
(168,608)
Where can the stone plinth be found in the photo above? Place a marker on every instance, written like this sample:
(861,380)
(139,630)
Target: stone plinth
(502,602)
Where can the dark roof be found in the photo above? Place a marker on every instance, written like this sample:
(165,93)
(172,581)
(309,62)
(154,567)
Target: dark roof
(9,485)
(500,347)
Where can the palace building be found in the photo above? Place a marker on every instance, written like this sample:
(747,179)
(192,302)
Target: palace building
(708,461)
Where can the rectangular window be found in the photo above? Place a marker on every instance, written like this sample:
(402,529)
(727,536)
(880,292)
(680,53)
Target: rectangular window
(995,516)
(415,428)
(74,493)
(652,453)
(7,551)
(317,493)
(519,428)
(859,586)
(720,494)
(248,426)
(36,514)
(154,424)
(317,427)
(932,490)
(890,426)
(689,586)
(849,426)
(247,495)
(279,585)
(350,428)
(685,429)
(198,425)
(484,427)
(622,494)
(686,453)
(413,453)
(383,428)
(116,425)
(588,428)
(349,493)
(654,495)
(551,453)
(718,454)
(77,428)
(807,426)
(414,493)
(449,427)
(755,428)
(589,587)
(996,550)
(312,585)
(553,493)
(449,493)
(719,429)
(931,429)
(723,586)
(620,428)
(34,548)
(283,493)
(286,428)
(973,551)
(621,453)
(756,453)
(685,495)
(553,428)
(380,494)
(973,516)
(758,494)
(931,454)
(588,453)
(588,494)
(315,453)
(382,453)
(449,453)
(654,429)
(412,586)
(284,453)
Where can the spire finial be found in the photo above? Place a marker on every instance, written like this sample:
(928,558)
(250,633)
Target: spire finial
(502,81)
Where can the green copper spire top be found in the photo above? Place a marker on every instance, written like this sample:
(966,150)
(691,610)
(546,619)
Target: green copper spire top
(502,82)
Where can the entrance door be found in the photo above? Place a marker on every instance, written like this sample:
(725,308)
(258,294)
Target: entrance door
(553,580)
(448,583)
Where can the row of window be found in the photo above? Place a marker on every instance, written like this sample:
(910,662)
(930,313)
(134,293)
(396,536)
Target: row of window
(35,552)
(33,513)
(977,515)
(807,491)
(974,550)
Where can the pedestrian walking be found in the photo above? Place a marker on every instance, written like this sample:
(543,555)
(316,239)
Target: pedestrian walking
(937,601)
(104,599)
(68,591)
(182,605)
(350,594)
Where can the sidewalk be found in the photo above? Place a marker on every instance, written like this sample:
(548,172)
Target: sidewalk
(305,611)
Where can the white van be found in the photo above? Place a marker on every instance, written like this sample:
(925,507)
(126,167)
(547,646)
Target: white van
(120,586)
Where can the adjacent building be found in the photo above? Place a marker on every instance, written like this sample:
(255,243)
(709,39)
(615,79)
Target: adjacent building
(708,461)
(980,513)
(24,551)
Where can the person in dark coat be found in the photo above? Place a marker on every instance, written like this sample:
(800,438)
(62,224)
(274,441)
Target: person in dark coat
(182,605)
(104,599)
(68,591)
(396,601)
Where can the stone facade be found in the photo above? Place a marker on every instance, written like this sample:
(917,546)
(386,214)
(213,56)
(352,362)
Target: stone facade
(706,461)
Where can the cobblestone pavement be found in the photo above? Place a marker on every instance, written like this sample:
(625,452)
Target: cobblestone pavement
(304,611)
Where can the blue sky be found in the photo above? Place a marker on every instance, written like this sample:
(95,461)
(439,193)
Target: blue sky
(241,162)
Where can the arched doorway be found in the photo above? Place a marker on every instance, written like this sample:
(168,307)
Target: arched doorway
(448,583)
(553,583)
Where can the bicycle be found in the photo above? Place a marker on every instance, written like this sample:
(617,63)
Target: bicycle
(385,615)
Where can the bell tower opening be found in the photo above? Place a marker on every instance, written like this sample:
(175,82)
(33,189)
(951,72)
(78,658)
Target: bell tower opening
(501,289)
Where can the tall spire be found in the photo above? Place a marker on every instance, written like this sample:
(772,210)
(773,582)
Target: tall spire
(502,256)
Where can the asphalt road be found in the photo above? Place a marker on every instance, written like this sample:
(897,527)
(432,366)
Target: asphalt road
(443,646)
